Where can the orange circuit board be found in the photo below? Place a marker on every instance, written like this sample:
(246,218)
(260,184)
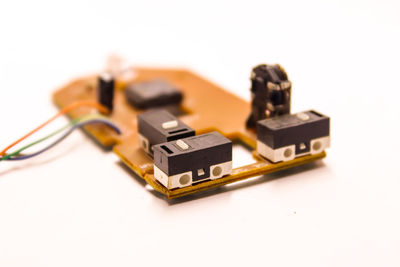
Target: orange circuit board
(205,107)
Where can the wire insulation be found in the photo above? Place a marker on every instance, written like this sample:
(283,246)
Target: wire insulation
(74,127)
(71,123)
(65,110)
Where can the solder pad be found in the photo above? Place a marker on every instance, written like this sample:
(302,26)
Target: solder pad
(206,107)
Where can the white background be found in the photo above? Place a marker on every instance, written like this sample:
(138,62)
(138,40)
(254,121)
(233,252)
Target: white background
(77,206)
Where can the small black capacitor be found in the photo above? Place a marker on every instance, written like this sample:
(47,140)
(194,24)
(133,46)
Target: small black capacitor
(106,85)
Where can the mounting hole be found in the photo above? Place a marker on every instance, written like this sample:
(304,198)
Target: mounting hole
(287,153)
(317,146)
(185,179)
(217,171)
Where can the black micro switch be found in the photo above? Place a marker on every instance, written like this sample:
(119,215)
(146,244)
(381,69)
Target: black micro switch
(159,126)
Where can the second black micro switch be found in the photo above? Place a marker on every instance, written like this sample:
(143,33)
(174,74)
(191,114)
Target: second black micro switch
(159,126)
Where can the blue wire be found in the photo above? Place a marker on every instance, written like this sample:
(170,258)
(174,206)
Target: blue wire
(76,126)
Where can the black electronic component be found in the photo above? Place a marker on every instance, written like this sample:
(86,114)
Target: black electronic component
(159,126)
(106,86)
(270,93)
(185,161)
(285,137)
(154,93)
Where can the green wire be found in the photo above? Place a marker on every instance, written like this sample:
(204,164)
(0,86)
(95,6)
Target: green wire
(71,123)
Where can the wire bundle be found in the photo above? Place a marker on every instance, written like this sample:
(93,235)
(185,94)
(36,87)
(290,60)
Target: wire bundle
(66,130)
